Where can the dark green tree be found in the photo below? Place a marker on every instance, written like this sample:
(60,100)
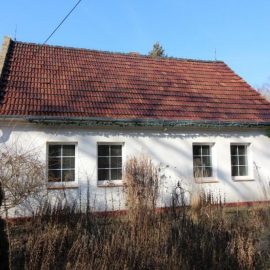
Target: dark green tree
(157,51)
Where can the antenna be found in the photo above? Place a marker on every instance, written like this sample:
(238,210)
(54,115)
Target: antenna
(15,32)
(215,54)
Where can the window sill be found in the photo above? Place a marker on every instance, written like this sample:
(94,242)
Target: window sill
(114,183)
(57,186)
(242,178)
(205,180)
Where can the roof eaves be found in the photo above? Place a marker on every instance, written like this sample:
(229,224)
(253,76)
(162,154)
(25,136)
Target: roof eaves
(97,121)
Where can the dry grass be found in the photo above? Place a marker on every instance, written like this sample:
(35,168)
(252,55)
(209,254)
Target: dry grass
(161,241)
(201,237)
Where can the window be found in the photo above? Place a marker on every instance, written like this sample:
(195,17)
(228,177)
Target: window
(239,160)
(202,161)
(109,162)
(61,162)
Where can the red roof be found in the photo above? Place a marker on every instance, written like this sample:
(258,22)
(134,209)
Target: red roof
(58,81)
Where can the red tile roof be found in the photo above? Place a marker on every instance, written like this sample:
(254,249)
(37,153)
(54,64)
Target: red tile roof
(58,81)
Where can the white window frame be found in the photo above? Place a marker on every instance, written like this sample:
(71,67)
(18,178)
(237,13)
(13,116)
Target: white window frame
(249,176)
(118,182)
(210,179)
(62,184)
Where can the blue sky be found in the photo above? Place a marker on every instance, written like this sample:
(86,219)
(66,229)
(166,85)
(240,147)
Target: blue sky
(238,30)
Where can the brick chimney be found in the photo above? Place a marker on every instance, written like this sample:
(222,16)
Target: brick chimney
(3,53)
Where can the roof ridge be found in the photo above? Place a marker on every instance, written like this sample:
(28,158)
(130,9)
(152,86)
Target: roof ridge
(139,55)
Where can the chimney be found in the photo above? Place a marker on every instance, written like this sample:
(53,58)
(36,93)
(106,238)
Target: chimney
(134,53)
(3,53)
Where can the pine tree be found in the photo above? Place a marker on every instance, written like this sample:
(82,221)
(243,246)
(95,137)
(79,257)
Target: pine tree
(157,51)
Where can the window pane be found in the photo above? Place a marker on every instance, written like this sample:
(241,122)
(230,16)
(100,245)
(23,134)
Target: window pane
(103,162)
(68,175)
(116,174)
(103,150)
(54,163)
(233,150)
(54,150)
(116,162)
(206,160)
(242,170)
(234,160)
(241,149)
(54,176)
(116,150)
(196,150)
(242,160)
(207,172)
(197,161)
(103,174)
(205,150)
(234,171)
(69,150)
(68,163)
(197,172)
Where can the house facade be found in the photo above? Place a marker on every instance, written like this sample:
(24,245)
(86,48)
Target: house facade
(86,112)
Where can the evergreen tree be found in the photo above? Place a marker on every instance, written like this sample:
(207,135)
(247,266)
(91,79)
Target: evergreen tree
(157,51)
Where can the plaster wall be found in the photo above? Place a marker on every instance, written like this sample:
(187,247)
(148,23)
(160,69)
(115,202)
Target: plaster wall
(170,149)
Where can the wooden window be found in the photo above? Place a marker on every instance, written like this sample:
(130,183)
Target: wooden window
(61,162)
(109,162)
(239,160)
(202,161)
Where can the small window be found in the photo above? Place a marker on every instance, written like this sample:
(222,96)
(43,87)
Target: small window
(202,161)
(109,162)
(61,162)
(239,160)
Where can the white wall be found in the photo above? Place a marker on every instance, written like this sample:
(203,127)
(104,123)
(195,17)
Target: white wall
(171,147)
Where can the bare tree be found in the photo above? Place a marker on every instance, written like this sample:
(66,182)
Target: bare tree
(265,90)
(22,176)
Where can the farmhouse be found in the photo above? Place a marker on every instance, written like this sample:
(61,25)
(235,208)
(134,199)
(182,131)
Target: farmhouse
(87,112)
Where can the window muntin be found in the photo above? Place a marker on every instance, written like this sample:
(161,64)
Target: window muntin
(61,162)
(109,162)
(202,161)
(239,160)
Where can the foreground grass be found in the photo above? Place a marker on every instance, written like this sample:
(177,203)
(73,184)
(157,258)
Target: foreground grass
(204,238)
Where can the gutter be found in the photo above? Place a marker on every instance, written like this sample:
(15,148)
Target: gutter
(108,122)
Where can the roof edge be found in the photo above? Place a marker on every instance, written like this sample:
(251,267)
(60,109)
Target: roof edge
(102,121)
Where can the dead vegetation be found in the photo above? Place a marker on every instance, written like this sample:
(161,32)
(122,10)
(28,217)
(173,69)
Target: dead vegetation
(22,176)
(203,236)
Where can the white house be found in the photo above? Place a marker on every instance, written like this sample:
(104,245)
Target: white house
(87,111)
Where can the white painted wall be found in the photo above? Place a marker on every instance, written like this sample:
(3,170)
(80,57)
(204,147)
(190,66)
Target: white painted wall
(171,147)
